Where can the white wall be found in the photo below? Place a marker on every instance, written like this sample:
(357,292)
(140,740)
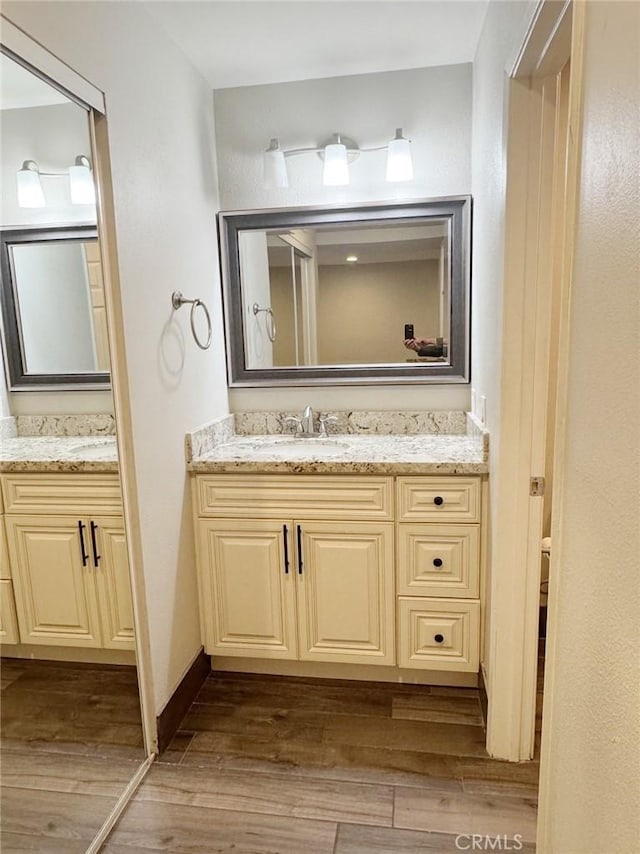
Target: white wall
(502,26)
(433,105)
(591,728)
(163,161)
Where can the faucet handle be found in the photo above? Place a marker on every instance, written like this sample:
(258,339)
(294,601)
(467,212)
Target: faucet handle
(324,420)
(294,419)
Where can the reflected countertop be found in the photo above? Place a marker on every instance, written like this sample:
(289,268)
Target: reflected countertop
(94,454)
(346,454)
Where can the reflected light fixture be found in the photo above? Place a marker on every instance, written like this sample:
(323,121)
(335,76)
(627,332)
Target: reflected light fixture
(337,154)
(30,194)
(275,169)
(351,259)
(83,191)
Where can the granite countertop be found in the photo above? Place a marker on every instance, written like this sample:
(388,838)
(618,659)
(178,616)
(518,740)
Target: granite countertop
(346,454)
(70,454)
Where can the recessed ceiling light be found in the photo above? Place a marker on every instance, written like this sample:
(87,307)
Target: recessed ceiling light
(352,258)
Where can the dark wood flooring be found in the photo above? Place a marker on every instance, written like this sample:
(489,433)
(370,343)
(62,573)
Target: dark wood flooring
(276,765)
(71,741)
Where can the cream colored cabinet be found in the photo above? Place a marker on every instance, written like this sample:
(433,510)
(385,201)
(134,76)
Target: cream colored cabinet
(8,619)
(297,588)
(438,572)
(69,567)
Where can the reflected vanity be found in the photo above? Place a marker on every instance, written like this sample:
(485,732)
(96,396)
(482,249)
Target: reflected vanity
(323,296)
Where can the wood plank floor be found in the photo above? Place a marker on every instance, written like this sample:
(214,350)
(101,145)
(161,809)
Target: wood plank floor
(276,765)
(71,741)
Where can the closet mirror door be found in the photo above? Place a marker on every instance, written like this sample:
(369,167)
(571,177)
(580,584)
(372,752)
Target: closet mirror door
(72,734)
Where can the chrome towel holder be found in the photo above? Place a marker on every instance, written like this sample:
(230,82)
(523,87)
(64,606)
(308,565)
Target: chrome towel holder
(270,321)
(178,300)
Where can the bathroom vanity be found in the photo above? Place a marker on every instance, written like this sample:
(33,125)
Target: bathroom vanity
(354,555)
(65,573)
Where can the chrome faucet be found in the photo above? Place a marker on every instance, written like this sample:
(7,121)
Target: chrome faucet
(304,422)
(307,420)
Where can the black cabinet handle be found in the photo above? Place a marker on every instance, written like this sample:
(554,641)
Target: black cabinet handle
(437,562)
(94,544)
(438,500)
(286,549)
(83,551)
(299,550)
(438,638)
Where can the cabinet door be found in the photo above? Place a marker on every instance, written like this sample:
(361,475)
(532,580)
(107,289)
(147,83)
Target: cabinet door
(247,594)
(345,592)
(108,542)
(55,593)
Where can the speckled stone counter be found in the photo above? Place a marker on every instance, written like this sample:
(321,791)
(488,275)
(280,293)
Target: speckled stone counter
(96,454)
(339,453)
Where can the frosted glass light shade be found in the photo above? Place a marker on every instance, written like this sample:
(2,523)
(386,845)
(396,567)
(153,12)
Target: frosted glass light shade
(30,193)
(274,167)
(336,167)
(399,163)
(81,183)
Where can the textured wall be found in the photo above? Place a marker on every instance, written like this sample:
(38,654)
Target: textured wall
(591,736)
(502,26)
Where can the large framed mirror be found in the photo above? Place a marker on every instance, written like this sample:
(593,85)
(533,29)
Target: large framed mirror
(358,294)
(53,308)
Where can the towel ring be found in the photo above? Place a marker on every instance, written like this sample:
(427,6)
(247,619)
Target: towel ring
(270,321)
(177,301)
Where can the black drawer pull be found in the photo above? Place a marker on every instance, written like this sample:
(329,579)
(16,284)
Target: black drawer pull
(83,551)
(438,638)
(299,550)
(94,543)
(438,500)
(286,549)
(437,562)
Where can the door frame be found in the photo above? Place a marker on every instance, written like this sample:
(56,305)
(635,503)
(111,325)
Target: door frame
(25,50)
(538,249)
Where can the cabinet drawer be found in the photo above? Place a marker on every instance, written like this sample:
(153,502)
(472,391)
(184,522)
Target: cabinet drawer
(438,560)
(438,499)
(306,497)
(8,620)
(62,493)
(438,634)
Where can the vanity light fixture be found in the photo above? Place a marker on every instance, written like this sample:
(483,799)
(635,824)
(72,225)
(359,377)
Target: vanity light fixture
(351,259)
(30,194)
(337,153)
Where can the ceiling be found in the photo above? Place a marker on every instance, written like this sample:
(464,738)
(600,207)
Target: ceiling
(20,88)
(249,42)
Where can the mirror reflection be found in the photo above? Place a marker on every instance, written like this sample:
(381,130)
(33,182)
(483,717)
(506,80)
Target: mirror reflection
(345,294)
(71,734)
(53,319)
(55,314)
